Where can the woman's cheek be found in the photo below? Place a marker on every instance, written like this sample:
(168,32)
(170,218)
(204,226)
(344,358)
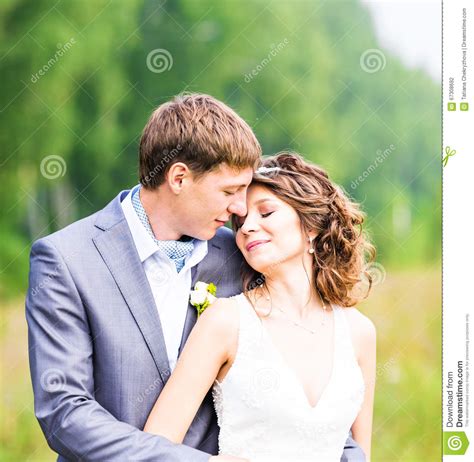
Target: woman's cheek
(238,240)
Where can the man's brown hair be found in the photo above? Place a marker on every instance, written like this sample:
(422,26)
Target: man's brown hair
(201,132)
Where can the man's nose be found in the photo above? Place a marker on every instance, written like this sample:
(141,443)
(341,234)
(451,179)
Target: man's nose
(238,207)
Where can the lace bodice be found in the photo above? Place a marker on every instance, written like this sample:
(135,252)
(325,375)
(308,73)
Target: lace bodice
(262,409)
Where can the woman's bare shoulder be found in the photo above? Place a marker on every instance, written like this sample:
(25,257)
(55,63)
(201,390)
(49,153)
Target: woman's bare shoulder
(363,330)
(221,317)
(359,321)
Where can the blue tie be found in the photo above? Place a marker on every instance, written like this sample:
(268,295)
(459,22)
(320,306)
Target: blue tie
(177,251)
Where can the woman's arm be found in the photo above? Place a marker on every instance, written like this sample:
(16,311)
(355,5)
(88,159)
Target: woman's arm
(208,347)
(364,335)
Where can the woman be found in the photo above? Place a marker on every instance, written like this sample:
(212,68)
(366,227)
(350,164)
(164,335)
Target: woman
(290,360)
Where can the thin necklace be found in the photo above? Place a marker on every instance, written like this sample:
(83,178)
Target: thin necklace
(296,323)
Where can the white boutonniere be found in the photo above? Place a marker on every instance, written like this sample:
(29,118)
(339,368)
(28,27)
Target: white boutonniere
(202,296)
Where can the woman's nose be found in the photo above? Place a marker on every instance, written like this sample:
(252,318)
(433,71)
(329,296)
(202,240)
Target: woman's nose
(249,226)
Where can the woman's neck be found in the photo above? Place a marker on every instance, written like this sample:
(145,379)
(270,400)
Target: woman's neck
(293,289)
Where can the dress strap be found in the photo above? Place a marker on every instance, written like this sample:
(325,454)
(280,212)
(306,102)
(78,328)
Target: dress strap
(250,326)
(345,347)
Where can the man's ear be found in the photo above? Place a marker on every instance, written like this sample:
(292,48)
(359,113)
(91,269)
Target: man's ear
(177,176)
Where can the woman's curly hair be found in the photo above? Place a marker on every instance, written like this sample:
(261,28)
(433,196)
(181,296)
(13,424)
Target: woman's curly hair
(341,248)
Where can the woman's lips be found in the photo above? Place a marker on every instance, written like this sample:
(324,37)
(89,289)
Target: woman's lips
(253,245)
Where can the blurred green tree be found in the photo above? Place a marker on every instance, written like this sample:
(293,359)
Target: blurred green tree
(81,78)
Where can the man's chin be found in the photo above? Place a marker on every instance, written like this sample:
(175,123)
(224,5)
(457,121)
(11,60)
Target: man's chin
(206,235)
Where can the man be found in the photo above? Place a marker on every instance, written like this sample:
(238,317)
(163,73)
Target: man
(107,305)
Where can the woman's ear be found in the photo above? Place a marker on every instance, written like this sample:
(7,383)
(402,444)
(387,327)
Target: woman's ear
(311,235)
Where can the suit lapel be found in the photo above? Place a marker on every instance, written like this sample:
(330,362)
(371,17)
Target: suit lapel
(204,272)
(191,315)
(118,251)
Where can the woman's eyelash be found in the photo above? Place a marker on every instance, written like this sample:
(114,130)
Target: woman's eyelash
(263,215)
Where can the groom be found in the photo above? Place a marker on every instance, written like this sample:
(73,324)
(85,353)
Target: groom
(107,305)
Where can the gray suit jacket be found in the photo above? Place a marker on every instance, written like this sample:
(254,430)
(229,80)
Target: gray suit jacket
(97,354)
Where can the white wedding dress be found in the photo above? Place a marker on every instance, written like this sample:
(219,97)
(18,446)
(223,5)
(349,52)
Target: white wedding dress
(262,409)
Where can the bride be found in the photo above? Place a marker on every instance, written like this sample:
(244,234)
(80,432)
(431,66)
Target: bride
(290,361)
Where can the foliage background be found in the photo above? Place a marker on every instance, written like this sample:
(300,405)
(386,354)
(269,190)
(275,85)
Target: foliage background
(295,71)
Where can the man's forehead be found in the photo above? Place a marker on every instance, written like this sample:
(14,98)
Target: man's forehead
(232,177)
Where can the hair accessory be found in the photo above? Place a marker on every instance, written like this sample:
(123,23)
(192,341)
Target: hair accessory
(264,170)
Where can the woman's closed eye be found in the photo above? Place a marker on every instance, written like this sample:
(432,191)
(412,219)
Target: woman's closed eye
(241,221)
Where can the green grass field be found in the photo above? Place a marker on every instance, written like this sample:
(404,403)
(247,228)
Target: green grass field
(406,309)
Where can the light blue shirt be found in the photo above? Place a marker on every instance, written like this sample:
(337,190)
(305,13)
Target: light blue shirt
(170,289)
(177,251)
